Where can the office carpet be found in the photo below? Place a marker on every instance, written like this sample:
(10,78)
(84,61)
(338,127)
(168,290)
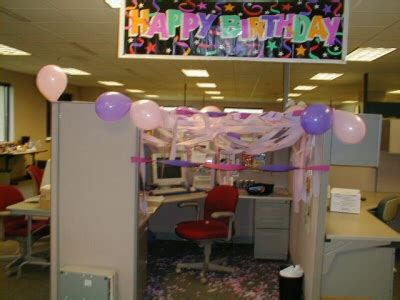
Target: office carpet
(252,279)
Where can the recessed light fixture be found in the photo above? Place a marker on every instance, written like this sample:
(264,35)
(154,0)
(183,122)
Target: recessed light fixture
(213,92)
(349,102)
(326,76)
(134,91)
(110,83)
(305,87)
(279,99)
(195,73)
(114,3)
(394,92)
(294,95)
(217,97)
(7,50)
(368,54)
(73,71)
(206,85)
(152,96)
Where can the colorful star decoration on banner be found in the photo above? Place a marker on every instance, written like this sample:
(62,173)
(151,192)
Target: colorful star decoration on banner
(301,50)
(229,7)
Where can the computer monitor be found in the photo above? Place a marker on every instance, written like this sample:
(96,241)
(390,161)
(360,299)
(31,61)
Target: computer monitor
(167,175)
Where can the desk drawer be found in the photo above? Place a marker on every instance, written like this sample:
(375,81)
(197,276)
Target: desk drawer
(271,243)
(272,215)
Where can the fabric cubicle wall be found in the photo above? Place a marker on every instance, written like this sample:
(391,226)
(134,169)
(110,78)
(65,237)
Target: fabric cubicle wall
(94,193)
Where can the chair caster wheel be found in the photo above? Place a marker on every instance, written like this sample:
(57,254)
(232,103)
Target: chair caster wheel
(178,270)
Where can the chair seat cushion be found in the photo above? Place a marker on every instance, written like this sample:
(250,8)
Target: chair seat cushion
(18,228)
(202,230)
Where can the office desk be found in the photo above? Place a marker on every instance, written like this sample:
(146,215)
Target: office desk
(9,155)
(29,208)
(358,259)
(261,220)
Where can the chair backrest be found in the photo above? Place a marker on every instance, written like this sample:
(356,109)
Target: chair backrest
(387,208)
(9,195)
(221,198)
(37,176)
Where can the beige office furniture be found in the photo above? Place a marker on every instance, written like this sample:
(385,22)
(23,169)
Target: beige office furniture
(358,259)
(271,227)
(31,208)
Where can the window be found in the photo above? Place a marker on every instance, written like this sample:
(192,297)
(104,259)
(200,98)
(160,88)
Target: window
(5,112)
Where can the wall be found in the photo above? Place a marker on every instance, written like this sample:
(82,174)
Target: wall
(31,112)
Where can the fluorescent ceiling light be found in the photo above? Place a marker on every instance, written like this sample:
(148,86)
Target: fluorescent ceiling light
(73,71)
(394,92)
(134,91)
(326,76)
(206,85)
(7,50)
(213,92)
(217,97)
(305,87)
(168,108)
(195,73)
(279,99)
(152,96)
(294,95)
(244,110)
(114,3)
(350,102)
(368,54)
(110,83)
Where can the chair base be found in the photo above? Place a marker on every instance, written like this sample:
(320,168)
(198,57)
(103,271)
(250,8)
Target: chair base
(206,265)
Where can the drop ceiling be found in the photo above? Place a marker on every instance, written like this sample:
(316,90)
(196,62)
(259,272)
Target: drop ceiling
(83,34)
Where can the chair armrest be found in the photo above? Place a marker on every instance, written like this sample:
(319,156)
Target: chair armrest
(2,229)
(225,214)
(193,204)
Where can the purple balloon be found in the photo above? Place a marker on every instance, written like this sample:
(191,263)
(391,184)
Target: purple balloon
(216,114)
(112,106)
(234,135)
(317,119)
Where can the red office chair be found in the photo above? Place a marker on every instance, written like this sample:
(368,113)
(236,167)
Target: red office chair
(218,224)
(16,227)
(37,176)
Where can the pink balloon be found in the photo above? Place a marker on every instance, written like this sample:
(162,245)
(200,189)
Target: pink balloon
(51,82)
(348,127)
(146,114)
(206,109)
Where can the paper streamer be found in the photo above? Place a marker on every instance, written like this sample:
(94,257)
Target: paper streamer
(179,163)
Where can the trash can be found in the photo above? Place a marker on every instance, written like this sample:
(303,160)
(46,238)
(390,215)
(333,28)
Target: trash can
(291,283)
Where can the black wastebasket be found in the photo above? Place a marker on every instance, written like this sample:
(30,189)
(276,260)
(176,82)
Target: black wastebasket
(290,288)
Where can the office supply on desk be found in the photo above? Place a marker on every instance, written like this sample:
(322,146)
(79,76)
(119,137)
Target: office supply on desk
(345,200)
(17,228)
(217,224)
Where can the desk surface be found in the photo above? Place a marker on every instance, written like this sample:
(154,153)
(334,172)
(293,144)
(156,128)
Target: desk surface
(28,208)
(153,206)
(363,226)
(15,153)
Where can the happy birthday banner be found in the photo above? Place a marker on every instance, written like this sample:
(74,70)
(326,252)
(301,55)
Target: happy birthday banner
(291,31)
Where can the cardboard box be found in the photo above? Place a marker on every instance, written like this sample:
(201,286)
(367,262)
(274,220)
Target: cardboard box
(345,200)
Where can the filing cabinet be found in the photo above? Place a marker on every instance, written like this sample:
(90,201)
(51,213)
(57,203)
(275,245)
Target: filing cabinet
(271,227)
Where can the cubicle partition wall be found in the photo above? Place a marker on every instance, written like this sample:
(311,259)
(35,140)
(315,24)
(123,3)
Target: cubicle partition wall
(307,227)
(94,188)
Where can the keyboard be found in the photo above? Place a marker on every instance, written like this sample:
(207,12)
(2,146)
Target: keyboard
(169,191)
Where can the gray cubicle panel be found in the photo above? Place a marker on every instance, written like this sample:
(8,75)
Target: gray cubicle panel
(366,153)
(94,194)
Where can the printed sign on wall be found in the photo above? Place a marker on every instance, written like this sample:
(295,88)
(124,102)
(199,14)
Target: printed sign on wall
(292,31)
